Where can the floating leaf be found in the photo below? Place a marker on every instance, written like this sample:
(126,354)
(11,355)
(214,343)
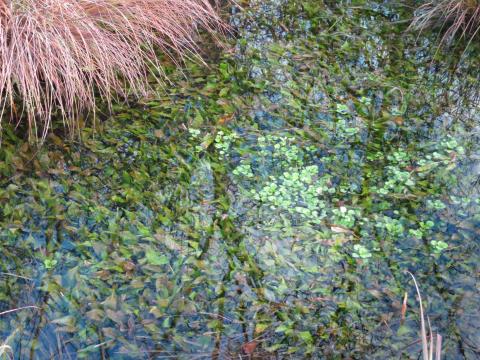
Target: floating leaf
(306,336)
(155,258)
(66,321)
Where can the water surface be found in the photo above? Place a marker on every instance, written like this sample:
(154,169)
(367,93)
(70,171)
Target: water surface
(267,206)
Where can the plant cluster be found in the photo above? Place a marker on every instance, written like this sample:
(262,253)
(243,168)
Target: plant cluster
(58,56)
(150,239)
(455,18)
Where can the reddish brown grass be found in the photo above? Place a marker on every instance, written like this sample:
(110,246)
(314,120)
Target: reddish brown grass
(456,18)
(57,55)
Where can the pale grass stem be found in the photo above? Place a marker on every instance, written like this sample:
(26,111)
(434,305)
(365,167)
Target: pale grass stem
(429,345)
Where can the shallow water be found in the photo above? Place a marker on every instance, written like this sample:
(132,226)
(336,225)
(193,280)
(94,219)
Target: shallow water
(267,207)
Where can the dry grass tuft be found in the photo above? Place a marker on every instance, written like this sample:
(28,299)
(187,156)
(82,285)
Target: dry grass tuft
(456,18)
(432,343)
(57,55)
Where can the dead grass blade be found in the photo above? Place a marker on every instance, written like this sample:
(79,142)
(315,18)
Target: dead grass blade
(428,343)
(438,347)
(404,308)
(18,309)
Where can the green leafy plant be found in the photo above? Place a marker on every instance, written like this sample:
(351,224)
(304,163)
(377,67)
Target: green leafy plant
(438,246)
(361,252)
(224,141)
(49,263)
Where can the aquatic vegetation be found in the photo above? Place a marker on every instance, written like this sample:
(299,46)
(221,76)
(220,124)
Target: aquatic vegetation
(59,56)
(439,246)
(268,206)
(361,252)
(223,142)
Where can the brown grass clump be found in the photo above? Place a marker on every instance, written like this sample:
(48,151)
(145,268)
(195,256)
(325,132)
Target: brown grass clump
(456,18)
(57,55)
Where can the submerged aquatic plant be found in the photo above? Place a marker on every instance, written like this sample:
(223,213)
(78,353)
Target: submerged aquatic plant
(58,55)
(456,17)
